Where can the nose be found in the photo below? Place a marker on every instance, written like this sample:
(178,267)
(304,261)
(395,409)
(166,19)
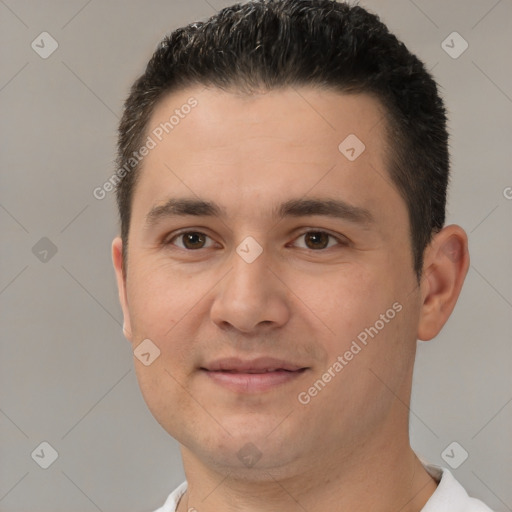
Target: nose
(250,297)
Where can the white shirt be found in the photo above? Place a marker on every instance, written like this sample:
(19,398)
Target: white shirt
(449,496)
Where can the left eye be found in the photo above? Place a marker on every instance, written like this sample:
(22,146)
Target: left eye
(191,240)
(318,240)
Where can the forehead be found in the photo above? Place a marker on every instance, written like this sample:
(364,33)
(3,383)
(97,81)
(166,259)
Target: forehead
(231,147)
(304,114)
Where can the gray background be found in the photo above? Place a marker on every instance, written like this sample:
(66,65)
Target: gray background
(67,372)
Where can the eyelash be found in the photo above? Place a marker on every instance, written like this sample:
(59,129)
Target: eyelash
(341,241)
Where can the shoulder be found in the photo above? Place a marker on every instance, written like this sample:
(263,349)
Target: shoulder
(172,500)
(450,495)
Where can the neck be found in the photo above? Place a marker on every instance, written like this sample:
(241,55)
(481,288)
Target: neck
(382,474)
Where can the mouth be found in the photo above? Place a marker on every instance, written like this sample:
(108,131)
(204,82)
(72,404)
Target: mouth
(267,370)
(258,375)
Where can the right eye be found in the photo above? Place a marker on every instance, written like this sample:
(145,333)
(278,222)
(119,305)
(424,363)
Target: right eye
(190,240)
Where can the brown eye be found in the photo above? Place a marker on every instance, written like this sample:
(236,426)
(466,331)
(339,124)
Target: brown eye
(190,240)
(193,240)
(316,240)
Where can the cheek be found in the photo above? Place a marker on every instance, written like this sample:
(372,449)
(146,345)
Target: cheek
(169,309)
(163,306)
(158,297)
(163,394)
(369,355)
(348,300)
(367,319)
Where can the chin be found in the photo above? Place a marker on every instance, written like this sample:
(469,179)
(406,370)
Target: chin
(250,454)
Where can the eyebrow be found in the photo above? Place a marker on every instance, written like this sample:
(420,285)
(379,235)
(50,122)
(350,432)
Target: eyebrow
(335,208)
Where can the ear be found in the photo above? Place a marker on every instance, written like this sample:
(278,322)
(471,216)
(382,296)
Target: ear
(446,263)
(117,259)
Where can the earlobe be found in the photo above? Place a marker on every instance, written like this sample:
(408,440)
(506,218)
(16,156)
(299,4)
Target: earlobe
(446,264)
(117,260)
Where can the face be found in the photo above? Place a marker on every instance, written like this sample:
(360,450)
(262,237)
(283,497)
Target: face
(257,232)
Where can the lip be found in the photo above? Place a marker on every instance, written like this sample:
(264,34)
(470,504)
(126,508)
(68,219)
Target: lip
(257,375)
(260,364)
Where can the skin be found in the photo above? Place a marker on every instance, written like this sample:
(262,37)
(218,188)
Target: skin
(302,300)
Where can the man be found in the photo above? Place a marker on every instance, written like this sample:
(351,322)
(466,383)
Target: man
(282,184)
